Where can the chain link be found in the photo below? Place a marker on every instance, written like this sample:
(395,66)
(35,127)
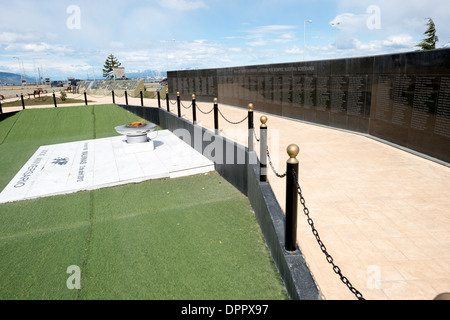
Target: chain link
(198,108)
(254,133)
(329,258)
(273,168)
(95,97)
(231,122)
(185,106)
(79,96)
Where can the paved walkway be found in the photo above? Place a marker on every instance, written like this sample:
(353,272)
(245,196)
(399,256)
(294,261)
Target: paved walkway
(382,213)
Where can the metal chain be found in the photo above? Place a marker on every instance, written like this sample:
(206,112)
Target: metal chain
(95,97)
(254,133)
(329,258)
(272,166)
(173,103)
(198,108)
(239,122)
(18,99)
(118,96)
(79,96)
(185,106)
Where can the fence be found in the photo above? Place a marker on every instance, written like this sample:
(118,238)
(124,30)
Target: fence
(53,101)
(84,95)
(251,179)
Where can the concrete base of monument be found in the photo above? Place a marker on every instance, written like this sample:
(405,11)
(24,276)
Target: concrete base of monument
(93,164)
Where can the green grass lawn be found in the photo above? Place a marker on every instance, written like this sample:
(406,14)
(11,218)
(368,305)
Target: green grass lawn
(187,238)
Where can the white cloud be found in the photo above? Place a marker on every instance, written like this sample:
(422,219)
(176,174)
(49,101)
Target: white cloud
(271,29)
(38,47)
(266,35)
(294,50)
(117,45)
(399,41)
(350,22)
(183,5)
(9,37)
(135,56)
(258,43)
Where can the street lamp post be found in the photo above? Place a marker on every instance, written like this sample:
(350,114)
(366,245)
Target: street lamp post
(167,55)
(304,37)
(20,70)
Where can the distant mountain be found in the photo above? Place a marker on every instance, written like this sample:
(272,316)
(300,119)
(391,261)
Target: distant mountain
(13,79)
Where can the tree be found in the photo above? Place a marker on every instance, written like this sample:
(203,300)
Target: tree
(110,63)
(429,43)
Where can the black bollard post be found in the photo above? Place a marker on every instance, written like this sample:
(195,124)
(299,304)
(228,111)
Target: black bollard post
(142,99)
(113,97)
(54,99)
(216,116)
(85,98)
(126,97)
(159,98)
(291,199)
(194,110)
(263,149)
(167,100)
(23,102)
(1,111)
(250,127)
(179,104)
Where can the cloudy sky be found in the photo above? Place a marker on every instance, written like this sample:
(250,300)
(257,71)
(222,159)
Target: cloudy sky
(64,38)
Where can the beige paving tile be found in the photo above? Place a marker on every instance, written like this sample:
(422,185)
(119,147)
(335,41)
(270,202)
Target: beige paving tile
(422,269)
(388,250)
(410,290)
(440,285)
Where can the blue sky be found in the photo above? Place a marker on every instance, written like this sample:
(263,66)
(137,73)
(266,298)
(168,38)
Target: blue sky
(73,38)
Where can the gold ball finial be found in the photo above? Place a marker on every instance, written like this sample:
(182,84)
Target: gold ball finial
(250,106)
(178,93)
(167,90)
(443,296)
(193,97)
(293,150)
(216,100)
(264,121)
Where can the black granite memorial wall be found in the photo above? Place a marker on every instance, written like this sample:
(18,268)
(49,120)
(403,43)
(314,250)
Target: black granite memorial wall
(402,98)
(411,101)
(202,83)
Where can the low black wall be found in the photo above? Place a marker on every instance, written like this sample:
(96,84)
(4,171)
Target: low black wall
(4,116)
(402,98)
(241,169)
